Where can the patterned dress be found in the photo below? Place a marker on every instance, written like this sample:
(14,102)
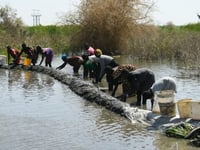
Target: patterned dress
(117,72)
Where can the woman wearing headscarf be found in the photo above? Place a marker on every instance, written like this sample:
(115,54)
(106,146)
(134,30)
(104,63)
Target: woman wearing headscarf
(102,62)
(89,49)
(162,84)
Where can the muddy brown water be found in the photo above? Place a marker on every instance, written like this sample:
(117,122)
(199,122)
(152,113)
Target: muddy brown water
(38,112)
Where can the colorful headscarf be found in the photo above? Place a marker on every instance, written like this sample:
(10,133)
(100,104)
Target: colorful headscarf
(63,57)
(98,52)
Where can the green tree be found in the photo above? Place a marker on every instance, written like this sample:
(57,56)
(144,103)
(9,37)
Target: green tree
(10,27)
(9,20)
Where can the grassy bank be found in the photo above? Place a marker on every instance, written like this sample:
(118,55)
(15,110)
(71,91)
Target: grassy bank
(57,37)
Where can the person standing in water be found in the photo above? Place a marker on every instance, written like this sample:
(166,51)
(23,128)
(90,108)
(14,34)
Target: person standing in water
(162,84)
(30,53)
(74,61)
(46,53)
(102,62)
(11,52)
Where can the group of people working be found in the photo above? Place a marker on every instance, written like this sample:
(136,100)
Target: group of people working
(31,53)
(139,81)
(93,61)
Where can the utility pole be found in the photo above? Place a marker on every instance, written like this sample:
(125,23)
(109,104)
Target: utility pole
(36,17)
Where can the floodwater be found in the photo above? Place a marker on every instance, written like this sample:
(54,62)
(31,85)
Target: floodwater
(38,112)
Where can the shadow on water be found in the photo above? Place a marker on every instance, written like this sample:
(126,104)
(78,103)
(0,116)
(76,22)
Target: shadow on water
(38,112)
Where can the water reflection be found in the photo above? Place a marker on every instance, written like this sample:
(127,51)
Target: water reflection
(13,77)
(28,79)
(28,82)
(38,112)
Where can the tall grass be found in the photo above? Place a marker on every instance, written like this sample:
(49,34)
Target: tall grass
(147,42)
(170,42)
(57,37)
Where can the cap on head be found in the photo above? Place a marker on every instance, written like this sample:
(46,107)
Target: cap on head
(98,52)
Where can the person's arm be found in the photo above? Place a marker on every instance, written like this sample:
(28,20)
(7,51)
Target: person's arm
(115,89)
(18,56)
(8,57)
(43,55)
(62,66)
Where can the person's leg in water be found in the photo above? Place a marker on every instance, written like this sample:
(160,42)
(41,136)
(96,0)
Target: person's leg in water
(76,69)
(97,72)
(48,60)
(85,73)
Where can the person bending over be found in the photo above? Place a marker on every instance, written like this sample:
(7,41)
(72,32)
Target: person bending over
(30,53)
(102,62)
(74,61)
(46,53)
(88,66)
(11,52)
(140,80)
(162,84)
(113,77)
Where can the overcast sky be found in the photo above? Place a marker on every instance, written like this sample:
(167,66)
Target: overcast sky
(179,12)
